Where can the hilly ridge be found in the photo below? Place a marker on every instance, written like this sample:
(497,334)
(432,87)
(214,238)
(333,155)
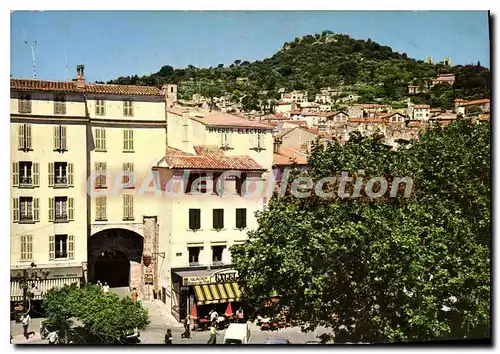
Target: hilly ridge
(372,70)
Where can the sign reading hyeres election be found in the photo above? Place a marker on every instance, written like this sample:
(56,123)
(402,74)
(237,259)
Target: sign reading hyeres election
(238,130)
(222,276)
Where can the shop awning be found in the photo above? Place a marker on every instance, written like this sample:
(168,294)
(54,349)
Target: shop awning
(217,293)
(41,287)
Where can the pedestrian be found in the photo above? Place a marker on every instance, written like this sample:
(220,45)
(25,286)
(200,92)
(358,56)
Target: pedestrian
(213,315)
(105,288)
(25,320)
(168,337)
(53,337)
(213,335)
(187,329)
(134,295)
(240,315)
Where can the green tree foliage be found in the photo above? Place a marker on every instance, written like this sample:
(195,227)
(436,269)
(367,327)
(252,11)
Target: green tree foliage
(106,315)
(392,269)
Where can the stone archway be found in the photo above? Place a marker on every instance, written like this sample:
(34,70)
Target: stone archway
(115,257)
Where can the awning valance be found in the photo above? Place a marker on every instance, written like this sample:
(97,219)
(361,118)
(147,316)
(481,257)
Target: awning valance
(40,287)
(217,293)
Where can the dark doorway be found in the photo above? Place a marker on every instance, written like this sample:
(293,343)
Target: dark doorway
(113,267)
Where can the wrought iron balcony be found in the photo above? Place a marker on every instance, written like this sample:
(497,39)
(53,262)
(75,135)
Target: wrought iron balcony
(61,254)
(26,217)
(25,181)
(61,181)
(62,217)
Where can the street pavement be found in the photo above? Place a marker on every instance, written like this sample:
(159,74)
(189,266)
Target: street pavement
(161,320)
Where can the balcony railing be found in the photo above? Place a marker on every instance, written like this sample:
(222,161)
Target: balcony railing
(61,254)
(25,181)
(63,217)
(61,181)
(26,217)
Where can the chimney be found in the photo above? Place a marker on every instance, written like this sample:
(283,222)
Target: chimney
(80,77)
(276,145)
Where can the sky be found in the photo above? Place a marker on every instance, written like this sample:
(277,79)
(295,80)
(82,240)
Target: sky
(121,43)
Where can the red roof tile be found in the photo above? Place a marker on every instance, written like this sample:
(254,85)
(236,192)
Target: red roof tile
(71,86)
(296,122)
(201,162)
(208,150)
(288,156)
(471,103)
(219,119)
(422,106)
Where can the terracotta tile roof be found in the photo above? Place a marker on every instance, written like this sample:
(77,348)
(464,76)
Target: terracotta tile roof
(422,106)
(296,122)
(71,86)
(219,119)
(310,130)
(330,114)
(288,156)
(202,162)
(177,110)
(471,103)
(284,102)
(365,120)
(208,150)
(415,124)
(373,105)
(174,151)
(285,131)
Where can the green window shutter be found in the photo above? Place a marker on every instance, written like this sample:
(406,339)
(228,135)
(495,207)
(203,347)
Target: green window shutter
(36,174)
(51,174)
(51,209)
(15,174)
(36,209)
(15,209)
(70,175)
(71,246)
(52,247)
(71,209)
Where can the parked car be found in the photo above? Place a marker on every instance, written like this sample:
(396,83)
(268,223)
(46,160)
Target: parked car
(277,340)
(237,333)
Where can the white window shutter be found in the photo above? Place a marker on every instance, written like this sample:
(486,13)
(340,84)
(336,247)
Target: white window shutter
(36,174)
(131,139)
(71,209)
(36,209)
(103,139)
(98,208)
(21,136)
(51,209)
(15,209)
(103,208)
(57,138)
(63,137)
(71,246)
(15,174)
(28,136)
(52,247)
(125,206)
(70,175)
(51,174)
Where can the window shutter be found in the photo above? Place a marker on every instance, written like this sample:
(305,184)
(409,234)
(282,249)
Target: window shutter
(52,247)
(51,209)
(221,218)
(71,209)
(70,175)
(15,174)
(63,137)
(125,139)
(57,138)
(243,218)
(229,140)
(98,139)
(15,211)
(125,108)
(71,246)
(103,139)
(103,208)
(131,206)
(125,206)
(51,174)
(28,136)
(104,176)
(36,174)
(98,208)
(131,139)
(36,209)
(198,217)
(191,219)
(214,219)
(21,136)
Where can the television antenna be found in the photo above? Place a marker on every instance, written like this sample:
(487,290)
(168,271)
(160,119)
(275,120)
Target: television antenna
(33,47)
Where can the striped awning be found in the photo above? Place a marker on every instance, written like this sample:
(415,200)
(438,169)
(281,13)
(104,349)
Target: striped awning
(40,287)
(217,293)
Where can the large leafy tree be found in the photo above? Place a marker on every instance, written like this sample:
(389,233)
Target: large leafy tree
(105,315)
(391,269)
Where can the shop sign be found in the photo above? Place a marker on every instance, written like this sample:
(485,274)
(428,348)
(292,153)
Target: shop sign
(204,279)
(48,273)
(148,279)
(225,276)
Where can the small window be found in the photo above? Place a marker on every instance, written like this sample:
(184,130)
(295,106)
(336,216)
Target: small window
(241,218)
(194,219)
(218,219)
(24,104)
(100,109)
(194,256)
(61,246)
(59,104)
(128,108)
(217,254)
